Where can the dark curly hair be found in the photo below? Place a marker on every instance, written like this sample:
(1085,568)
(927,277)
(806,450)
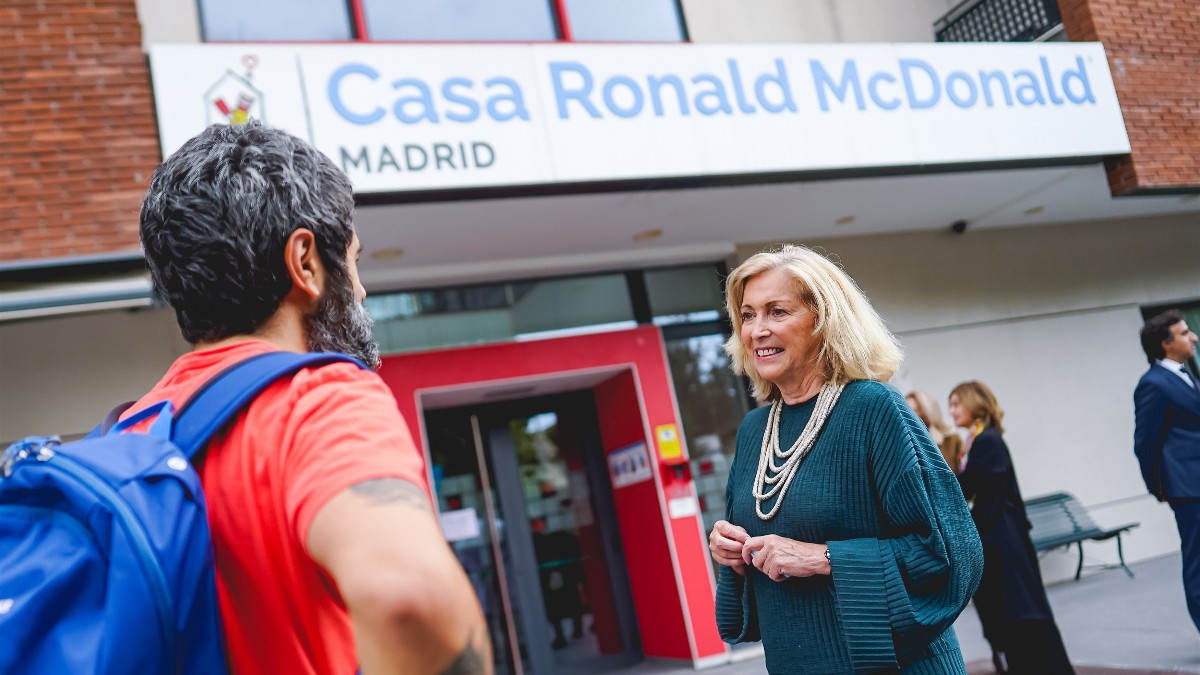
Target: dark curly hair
(218,214)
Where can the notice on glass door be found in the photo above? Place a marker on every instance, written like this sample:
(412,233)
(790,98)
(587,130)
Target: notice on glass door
(629,465)
(460,525)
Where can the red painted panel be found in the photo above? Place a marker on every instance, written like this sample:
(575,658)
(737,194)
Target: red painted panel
(643,533)
(640,508)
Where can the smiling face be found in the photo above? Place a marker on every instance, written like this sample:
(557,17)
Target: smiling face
(777,329)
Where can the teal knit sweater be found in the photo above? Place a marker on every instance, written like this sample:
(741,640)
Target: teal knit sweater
(905,555)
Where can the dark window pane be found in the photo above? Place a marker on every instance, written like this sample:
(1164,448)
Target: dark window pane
(459,20)
(625,20)
(275,20)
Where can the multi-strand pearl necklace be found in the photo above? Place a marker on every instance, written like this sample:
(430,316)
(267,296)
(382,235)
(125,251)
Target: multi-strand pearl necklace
(779,476)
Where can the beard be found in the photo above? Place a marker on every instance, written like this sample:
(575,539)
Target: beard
(340,324)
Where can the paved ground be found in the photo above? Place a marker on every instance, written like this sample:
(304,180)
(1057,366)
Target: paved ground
(1112,625)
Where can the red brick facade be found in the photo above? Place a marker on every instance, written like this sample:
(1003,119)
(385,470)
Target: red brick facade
(1154,53)
(78,128)
(79,138)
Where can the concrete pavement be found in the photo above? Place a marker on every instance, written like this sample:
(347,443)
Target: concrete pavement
(1111,624)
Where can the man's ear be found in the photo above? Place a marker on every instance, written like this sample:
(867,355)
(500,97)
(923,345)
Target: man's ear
(303,264)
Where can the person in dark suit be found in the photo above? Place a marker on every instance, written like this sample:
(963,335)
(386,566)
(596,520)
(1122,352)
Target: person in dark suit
(1166,435)
(1011,599)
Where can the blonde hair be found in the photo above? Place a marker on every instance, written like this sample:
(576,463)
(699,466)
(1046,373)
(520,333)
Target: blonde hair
(980,402)
(855,345)
(931,414)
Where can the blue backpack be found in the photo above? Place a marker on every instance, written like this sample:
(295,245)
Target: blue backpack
(106,562)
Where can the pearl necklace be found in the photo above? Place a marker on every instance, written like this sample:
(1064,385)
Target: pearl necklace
(779,476)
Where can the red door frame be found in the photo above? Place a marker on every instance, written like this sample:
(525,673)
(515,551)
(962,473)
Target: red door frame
(667,558)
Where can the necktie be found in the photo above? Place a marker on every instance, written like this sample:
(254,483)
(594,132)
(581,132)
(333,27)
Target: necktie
(1187,375)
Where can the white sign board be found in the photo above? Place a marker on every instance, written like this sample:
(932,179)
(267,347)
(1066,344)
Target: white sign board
(460,524)
(629,465)
(420,117)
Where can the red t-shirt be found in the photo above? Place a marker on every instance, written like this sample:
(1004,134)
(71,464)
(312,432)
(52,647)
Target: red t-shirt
(298,444)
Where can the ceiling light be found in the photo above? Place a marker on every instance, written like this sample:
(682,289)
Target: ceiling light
(648,235)
(1033,211)
(844,220)
(387,253)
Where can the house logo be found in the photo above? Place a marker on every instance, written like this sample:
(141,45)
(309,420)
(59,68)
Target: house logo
(233,98)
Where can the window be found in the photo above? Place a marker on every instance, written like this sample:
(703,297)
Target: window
(237,20)
(450,20)
(624,20)
(492,313)
(524,20)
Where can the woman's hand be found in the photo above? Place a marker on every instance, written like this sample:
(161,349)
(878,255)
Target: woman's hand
(725,543)
(780,558)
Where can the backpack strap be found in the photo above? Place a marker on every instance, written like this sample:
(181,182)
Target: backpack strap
(224,396)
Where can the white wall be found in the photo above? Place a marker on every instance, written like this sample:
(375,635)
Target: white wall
(61,376)
(813,21)
(1048,317)
(169,21)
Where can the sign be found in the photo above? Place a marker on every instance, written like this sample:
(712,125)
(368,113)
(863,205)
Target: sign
(683,507)
(669,447)
(629,465)
(421,117)
(460,525)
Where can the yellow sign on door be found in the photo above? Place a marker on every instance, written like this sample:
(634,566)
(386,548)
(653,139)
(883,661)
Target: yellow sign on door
(668,442)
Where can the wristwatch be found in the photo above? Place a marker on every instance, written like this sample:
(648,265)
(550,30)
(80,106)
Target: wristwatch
(827,553)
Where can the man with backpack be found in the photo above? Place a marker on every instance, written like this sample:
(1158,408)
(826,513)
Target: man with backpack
(328,552)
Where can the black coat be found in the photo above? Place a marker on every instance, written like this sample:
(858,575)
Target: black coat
(1011,588)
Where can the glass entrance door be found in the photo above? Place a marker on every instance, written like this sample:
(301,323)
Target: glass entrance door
(526,503)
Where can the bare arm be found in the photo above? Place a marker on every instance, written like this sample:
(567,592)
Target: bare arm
(412,607)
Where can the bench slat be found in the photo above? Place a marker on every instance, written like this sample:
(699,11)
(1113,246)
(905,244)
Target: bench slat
(1060,520)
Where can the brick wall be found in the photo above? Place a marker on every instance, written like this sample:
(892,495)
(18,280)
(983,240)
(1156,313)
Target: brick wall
(77,126)
(1154,53)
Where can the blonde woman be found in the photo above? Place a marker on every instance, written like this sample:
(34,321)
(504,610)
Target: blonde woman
(1011,599)
(942,433)
(846,545)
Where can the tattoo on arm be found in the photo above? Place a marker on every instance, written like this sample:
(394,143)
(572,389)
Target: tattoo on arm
(473,660)
(381,491)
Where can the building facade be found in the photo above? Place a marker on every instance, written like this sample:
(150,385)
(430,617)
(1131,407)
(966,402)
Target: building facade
(548,199)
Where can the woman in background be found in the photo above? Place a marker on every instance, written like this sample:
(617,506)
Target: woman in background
(1011,599)
(942,433)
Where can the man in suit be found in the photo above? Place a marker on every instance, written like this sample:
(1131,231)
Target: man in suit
(1166,435)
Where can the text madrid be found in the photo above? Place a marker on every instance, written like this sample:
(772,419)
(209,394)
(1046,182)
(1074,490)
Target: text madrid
(914,84)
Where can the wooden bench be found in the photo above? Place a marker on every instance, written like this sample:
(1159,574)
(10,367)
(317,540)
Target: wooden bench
(1059,520)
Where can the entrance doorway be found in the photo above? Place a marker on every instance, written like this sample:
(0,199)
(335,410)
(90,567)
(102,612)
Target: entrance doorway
(526,503)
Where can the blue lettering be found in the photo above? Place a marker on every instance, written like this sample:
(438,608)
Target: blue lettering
(735,76)
(423,100)
(849,79)
(873,91)
(906,70)
(972,93)
(995,76)
(779,79)
(610,100)
(1054,97)
(721,103)
(1029,93)
(513,97)
(454,98)
(1079,75)
(656,84)
(335,94)
(562,95)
